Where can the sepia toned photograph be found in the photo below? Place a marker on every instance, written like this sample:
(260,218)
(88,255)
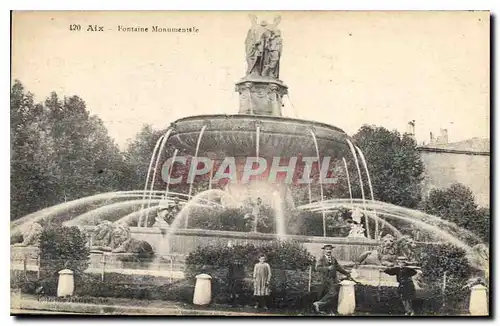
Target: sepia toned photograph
(250,164)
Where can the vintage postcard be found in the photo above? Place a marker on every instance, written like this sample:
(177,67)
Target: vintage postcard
(315,163)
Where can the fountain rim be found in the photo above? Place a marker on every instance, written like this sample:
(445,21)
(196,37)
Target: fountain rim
(260,118)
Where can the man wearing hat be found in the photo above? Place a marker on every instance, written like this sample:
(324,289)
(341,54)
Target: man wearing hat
(328,266)
(406,288)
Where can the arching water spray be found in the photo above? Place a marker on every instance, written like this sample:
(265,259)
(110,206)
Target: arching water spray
(99,212)
(183,214)
(195,163)
(331,207)
(348,181)
(157,145)
(23,224)
(320,179)
(158,157)
(361,185)
(279,212)
(363,160)
(435,223)
(170,172)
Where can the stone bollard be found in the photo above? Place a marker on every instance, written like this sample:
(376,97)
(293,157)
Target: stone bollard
(347,298)
(66,284)
(202,290)
(478,305)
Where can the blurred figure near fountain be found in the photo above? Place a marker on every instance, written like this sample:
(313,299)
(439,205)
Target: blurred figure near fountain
(356,228)
(161,218)
(328,266)
(166,215)
(255,218)
(406,287)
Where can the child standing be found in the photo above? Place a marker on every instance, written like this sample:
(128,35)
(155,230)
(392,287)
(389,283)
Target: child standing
(406,288)
(261,281)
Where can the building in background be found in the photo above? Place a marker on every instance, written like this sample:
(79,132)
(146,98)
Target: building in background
(466,162)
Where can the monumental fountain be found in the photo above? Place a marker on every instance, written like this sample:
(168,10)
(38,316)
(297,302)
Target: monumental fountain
(158,219)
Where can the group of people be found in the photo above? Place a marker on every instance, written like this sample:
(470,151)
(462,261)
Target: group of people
(328,266)
(327,295)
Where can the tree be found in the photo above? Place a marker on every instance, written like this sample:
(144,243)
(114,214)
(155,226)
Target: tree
(31,153)
(138,156)
(88,160)
(457,204)
(481,224)
(394,164)
(60,152)
(436,260)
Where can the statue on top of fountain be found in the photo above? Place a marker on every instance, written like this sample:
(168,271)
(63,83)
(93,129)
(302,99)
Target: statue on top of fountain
(263,46)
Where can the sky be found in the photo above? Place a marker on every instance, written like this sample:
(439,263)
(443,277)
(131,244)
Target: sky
(342,68)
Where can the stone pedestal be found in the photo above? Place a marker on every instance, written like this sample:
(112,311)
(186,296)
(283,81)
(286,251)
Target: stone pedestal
(347,298)
(261,95)
(66,284)
(202,290)
(478,305)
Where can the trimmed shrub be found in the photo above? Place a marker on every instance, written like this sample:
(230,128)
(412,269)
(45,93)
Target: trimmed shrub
(436,260)
(135,287)
(60,248)
(280,255)
(289,263)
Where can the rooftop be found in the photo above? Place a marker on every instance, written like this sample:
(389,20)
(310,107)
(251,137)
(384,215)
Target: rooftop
(472,145)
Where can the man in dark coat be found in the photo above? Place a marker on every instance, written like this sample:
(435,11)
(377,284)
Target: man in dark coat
(328,266)
(406,287)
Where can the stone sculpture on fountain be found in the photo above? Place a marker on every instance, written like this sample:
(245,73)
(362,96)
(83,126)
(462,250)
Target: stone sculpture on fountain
(161,218)
(388,251)
(263,47)
(356,228)
(384,255)
(32,237)
(116,238)
(480,258)
(405,246)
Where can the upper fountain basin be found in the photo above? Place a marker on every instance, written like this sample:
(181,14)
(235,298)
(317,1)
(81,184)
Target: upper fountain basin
(236,135)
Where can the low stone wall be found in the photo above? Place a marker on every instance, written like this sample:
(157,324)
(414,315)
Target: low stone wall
(171,263)
(186,240)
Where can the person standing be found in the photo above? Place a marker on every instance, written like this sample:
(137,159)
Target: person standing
(261,282)
(236,276)
(328,266)
(406,287)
